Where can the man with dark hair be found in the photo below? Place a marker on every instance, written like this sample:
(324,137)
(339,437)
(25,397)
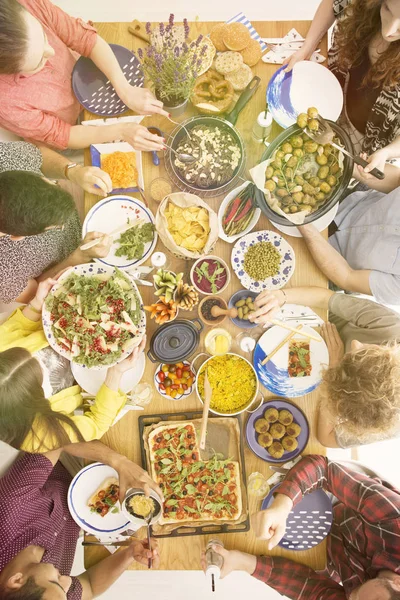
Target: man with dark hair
(38,535)
(40,230)
(363,545)
(38,46)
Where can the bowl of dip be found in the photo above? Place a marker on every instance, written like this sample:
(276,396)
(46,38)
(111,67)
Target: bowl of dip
(210,275)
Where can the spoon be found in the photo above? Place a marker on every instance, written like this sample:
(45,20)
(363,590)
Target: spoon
(206,408)
(216,311)
(148,521)
(184,158)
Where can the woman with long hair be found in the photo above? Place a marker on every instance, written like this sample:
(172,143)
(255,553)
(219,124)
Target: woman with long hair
(365,57)
(28,419)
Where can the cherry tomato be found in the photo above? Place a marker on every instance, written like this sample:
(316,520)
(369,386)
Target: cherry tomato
(162,387)
(104,511)
(179,373)
(168,391)
(161,376)
(180,390)
(190,382)
(172,369)
(185,374)
(184,386)
(168,382)
(179,365)
(180,515)
(175,387)
(165,368)
(172,376)
(186,367)
(232,498)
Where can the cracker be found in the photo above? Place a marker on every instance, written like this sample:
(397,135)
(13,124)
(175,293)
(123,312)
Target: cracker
(216,35)
(236,36)
(241,78)
(252,53)
(208,57)
(228,62)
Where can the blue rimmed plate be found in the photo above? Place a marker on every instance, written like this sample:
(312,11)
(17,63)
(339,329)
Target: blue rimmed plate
(298,417)
(81,489)
(274,374)
(110,214)
(286,268)
(308,523)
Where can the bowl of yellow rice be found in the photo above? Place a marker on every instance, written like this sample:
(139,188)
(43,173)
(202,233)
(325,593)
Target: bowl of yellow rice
(233,382)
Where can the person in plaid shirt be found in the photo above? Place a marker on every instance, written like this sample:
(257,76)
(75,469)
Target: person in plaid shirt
(363,546)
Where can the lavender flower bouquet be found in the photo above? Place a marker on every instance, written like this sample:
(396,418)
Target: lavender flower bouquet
(172,62)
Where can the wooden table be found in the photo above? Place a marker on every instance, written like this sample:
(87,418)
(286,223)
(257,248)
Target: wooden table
(183,553)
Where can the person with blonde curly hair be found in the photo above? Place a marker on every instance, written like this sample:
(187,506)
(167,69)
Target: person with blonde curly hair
(359,400)
(364,57)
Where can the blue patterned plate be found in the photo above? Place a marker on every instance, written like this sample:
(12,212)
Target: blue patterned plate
(286,268)
(274,374)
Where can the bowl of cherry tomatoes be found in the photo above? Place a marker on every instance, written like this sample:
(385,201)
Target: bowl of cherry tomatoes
(175,381)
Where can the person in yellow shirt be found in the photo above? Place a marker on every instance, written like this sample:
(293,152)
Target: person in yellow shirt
(28,420)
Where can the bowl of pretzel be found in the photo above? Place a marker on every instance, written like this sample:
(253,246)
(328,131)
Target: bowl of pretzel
(217,90)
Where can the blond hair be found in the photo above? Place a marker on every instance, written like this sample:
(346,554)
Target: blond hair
(363,392)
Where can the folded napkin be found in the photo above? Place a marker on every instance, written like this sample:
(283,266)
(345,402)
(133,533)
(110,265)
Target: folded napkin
(283,48)
(116,537)
(295,315)
(113,120)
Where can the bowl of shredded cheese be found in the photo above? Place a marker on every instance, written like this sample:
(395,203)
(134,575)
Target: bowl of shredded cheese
(137,507)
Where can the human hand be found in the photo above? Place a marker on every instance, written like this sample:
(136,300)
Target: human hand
(334,343)
(234,560)
(268,304)
(101,249)
(132,476)
(91,179)
(270,524)
(141,552)
(301,54)
(43,289)
(142,101)
(129,362)
(377,160)
(140,137)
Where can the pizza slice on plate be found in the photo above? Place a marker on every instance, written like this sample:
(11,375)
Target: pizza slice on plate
(299,364)
(105,497)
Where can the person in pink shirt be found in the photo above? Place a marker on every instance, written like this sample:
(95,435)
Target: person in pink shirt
(37,45)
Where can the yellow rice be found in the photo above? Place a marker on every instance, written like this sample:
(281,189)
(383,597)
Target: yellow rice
(232,381)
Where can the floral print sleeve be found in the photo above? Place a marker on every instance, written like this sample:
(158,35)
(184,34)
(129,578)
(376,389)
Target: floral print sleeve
(19,156)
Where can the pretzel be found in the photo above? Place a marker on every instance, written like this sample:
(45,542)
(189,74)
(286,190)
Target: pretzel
(212,94)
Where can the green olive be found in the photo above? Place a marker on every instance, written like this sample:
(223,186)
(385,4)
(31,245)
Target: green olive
(277,163)
(298,196)
(281,193)
(311,200)
(307,176)
(296,141)
(310,146)
(314,181)
(288,173)
(313,125)
(286,210)
(331,180)
(312,112)
(287,200)
(269,172)
(302,119)
(327,149)
(320,196)
(335,169)
(293,208)
(299,180)
(306,207)
(309,189)
(281,183)
(305,137)
(322,159)
(292,162)
(280,154)
(323,172)
(325,187)
(270,185)
(291,185)
(277,173)
(298,152)
(287,148)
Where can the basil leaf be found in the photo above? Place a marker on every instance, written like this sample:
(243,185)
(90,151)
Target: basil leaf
(166,461)
(161,451)
(189,509)
(171,502)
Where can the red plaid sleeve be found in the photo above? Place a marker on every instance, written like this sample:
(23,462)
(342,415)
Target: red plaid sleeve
(296,581)
(375,501)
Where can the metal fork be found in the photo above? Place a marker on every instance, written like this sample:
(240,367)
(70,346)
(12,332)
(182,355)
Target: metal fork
(325,135)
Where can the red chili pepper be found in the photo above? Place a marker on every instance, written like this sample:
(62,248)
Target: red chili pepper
(244,210)
(234,207)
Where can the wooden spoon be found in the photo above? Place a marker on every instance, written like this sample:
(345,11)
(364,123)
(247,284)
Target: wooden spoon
(206,408)
(216,311)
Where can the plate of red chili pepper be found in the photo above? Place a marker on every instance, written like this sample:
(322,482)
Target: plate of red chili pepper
(238,213)
(175,381)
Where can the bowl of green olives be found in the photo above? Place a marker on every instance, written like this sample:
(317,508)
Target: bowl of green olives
(304,175)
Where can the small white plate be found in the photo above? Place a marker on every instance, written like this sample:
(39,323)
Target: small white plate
(321,223)
(82,488)
(111,213)
(224,204)
(274,374)
(99,150)
(91,380)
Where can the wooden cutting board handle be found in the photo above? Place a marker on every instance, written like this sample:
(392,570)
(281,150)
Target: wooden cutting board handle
(138,29)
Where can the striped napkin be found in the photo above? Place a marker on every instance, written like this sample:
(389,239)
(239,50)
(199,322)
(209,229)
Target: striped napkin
(241,18)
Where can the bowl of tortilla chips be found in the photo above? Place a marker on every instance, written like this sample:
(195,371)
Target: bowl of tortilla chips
(187,226)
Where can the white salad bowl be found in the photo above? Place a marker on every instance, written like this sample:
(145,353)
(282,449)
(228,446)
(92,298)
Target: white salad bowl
(232,238)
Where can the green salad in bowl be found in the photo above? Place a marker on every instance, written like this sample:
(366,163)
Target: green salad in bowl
(94,315)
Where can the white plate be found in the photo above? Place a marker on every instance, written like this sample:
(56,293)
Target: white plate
(89,269)
(224,204)
(286,268)
(91,380)
(274,374)
(321,223)
(110,214)
(82,487)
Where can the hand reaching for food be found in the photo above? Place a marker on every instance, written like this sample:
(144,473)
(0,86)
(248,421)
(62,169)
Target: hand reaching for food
(140,137)
(142,101)
(334,343)
(141,552)
(377,160)
(130,475)
(91,179)
(129,362)
(267,304)
(43,289)
(100,250)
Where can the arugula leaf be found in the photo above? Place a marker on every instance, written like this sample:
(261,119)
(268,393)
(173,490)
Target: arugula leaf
(166,461)
(225,491)
(115,509)
(179,464)
(191,489)
(109,502)
(166,469)
(227,473)
(171,502)
(167,436)
(189,509)
(161,451)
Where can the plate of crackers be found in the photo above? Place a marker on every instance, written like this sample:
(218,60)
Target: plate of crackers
(123,164)
(216,91)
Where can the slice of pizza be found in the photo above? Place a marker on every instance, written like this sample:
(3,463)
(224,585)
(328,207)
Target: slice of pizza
(105,497)
(299,363)
(172,448)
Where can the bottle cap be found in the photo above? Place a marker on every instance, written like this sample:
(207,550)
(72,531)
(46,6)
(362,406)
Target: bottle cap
(158,259)
(213,570)
(264,120)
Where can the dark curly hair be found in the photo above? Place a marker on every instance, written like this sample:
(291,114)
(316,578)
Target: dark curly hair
(13,36)
(29,591)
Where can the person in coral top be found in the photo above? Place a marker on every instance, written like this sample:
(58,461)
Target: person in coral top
(38,46)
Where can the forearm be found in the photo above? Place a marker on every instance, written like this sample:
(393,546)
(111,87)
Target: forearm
(329,261)
(306,476)
(81,136)
(53,163)
(102,575)
(309,296)
(104,58)
(326,429)
(386,185)
(324,19)
(95,451)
